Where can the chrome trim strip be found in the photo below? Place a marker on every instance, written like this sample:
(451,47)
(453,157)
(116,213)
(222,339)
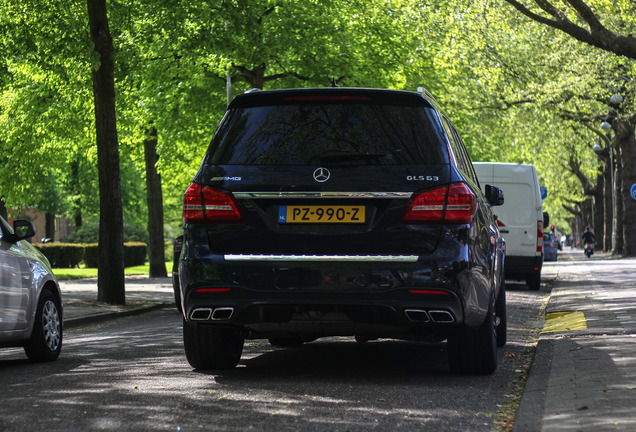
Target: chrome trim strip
(295,195)
(351,258)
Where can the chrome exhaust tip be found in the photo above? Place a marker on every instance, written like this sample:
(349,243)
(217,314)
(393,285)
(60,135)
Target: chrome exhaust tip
(222,313)
(441,316)
(201,314)
(417,315)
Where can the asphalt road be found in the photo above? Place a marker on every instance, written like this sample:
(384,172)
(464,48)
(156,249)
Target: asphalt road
(131,375)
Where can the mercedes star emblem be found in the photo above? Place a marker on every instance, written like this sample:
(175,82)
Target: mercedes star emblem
(321,175)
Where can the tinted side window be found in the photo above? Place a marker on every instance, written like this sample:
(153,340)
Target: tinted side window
(470,170)
(461,154)
(455,147)
(336,134)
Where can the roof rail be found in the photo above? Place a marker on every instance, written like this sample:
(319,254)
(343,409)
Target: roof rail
(427,95)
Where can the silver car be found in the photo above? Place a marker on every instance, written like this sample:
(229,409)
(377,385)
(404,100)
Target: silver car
(30,298)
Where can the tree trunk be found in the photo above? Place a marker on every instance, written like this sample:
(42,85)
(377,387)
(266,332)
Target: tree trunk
(599,213)
(49,226)
(255,77)
(110,270)
(587,215)
(618,203)
(627,143)
(579,226)
(154,196)
(608,211)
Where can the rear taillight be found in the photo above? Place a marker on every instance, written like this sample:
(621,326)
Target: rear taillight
(453,204)
(540,236)
(460,207)
(427,207)
(203,204)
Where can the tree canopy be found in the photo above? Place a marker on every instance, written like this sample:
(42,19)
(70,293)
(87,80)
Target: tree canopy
(603,24)
(521,87)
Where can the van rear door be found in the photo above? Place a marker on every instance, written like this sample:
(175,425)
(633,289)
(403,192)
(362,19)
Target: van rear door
(521,215)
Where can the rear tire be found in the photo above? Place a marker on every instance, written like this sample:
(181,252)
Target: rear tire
(534,282)
(45,344)
(500,311)
(211,348)
(474,351)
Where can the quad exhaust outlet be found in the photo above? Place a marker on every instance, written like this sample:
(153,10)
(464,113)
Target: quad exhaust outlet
(212,314)
(436,316)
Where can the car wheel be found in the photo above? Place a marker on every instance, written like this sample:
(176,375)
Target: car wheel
(45,344)
(534,281)
(474,351)
(210,347)
(286,342)
(502,317)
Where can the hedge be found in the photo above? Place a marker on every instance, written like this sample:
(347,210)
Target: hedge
(134,254)
(69,255)
(62,255)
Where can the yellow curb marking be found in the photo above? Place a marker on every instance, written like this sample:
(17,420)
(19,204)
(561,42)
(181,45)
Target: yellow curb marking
(564,321)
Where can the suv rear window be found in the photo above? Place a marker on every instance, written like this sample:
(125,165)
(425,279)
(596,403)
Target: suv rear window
(343,133)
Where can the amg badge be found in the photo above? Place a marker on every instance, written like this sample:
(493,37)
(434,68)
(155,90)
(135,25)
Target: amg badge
(225,179)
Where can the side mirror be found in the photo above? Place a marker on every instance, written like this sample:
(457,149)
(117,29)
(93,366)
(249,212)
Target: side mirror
(546,219)
(494,195)
(23,229)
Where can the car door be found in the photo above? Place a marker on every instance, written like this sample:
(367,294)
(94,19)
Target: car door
(14,286)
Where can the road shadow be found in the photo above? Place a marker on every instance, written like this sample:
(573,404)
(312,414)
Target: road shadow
(343,359)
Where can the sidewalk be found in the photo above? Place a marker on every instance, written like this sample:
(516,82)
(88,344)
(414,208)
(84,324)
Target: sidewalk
(583,377)
(142,294)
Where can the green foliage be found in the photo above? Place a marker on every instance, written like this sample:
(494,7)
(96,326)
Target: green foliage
(42,105)
(62,255)
(521,92)
(134,254)
(518,91)
(91,255)
(89,233)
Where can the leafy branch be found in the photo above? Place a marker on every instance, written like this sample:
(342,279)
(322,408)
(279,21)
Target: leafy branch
(596,34)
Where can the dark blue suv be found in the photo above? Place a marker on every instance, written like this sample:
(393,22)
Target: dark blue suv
(340,212)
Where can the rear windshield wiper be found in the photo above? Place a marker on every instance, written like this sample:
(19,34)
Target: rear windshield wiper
(349,156)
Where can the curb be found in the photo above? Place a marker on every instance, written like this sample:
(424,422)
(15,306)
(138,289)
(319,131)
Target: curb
(529,416)
(108,316)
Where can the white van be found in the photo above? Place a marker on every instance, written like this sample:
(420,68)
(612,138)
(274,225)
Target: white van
(520,218)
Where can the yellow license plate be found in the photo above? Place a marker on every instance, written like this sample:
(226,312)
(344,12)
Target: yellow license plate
(321,214)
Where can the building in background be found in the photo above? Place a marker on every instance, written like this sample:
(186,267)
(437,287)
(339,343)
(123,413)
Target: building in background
(61,225)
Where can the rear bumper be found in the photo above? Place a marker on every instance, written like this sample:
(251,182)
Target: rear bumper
(400,298)
(520,267)
(314,315)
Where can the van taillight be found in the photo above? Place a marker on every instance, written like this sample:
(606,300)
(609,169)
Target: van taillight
(203,204)
(453,204)
(540,236)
